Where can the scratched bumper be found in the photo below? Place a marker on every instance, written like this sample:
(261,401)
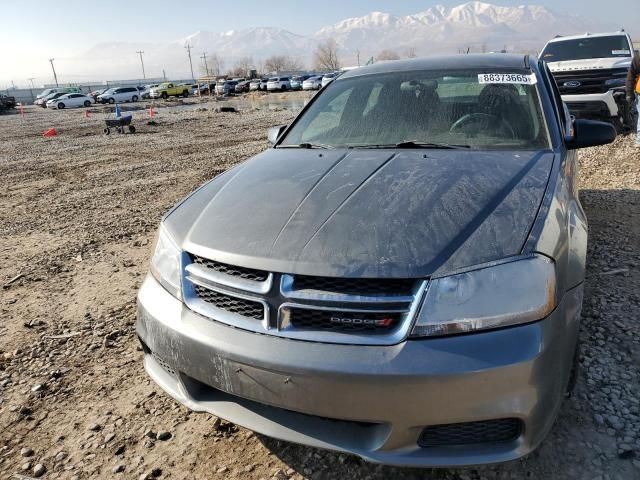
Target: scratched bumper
(370,401)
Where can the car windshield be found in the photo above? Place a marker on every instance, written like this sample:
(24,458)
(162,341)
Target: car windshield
(585,48)
(274,79)
(471,108)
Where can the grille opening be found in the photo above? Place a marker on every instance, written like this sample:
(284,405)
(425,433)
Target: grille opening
(231,270)
(590,81)
(348,322)
(470,433)
(240,306)
(356,286)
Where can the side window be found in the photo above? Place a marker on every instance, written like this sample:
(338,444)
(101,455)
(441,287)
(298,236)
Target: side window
(170,85)
(372,101)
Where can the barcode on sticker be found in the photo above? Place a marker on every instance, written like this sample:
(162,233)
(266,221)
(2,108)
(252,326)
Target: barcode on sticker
(513,78)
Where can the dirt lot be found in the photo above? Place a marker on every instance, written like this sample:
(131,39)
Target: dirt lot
(78,213)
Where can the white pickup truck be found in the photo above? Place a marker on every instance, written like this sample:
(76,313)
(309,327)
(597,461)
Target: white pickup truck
(590,71)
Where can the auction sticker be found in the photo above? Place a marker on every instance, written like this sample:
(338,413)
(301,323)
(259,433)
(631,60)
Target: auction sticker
(620,52)
(512,78)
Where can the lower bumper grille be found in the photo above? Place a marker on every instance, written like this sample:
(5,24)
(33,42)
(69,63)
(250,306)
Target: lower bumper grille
(469,433)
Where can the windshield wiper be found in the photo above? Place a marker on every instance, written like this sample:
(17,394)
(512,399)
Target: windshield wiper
(414,144)
(417,144)
(308,145)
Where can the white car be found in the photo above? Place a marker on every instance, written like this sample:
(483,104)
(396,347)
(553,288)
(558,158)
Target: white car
(328,78)
(71,100)
(279,84)
(313,83)
(119,95)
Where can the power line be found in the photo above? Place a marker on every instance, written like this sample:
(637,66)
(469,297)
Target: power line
(140,52)
(188,47)
(54,71)
(204,57)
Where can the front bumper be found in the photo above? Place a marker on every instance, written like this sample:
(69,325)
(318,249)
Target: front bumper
(594,105)
(370,401)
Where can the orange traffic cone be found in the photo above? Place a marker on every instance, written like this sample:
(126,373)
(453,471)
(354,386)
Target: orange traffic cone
(50,133)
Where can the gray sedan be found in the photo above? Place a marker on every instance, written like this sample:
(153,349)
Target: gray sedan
(400,277)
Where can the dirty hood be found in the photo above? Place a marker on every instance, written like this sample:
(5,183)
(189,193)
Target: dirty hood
(365,213)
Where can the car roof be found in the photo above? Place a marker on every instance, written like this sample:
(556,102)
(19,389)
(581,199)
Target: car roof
(450,62)
(585,35)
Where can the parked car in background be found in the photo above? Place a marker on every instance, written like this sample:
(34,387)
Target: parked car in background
(226,87)
(119,95)
(591,71)
(312,83)
(146,92)
(70,100)
(94,94)
(328,78)
(42,99)
(263,84)
(170,89)
(242,86)
(52,96)
(205,88)
(254,85)
(297,81)
(279,84)
(400,277)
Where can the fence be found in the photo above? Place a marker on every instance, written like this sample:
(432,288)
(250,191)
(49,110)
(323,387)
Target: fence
(28,95)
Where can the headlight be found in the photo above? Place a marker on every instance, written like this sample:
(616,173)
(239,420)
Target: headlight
(165,263)
(492,296)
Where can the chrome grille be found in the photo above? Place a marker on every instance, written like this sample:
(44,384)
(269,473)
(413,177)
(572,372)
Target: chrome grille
(469,433)
(588,81)
(240,306)
(333,310)
(240,272)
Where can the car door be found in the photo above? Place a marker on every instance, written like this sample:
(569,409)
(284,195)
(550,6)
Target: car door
(75,100)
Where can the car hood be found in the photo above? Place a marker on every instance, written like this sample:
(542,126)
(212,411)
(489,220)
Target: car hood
(365,213)
(589,64)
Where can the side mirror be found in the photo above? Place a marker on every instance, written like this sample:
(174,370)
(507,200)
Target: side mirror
(274,133)
(590,133)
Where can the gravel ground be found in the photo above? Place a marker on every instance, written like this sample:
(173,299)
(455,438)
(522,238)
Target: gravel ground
(78,213)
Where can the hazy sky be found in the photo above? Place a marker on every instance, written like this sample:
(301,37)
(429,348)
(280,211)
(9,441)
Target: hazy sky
(41,29)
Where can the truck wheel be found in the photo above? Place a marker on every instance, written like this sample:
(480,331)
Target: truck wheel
(107,131)
(87,103)
(164,95)
(185,94)
(132,129)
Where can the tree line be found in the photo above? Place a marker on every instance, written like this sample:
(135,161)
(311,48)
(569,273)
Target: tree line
(325,58)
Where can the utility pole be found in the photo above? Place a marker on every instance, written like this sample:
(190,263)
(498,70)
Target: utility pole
(32,87)
(358,55)
(204,57)
(140,52)
(188,47)
(54,71)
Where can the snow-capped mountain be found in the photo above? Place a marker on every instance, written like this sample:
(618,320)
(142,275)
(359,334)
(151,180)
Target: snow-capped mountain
(475,25)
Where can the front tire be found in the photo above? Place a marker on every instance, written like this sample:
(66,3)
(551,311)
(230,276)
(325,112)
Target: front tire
(61,106)
(185,94)
(87,103)
(112,101)
(134,98)
(164,95)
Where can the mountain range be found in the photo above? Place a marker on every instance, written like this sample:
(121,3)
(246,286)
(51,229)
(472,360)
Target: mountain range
(474,26)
